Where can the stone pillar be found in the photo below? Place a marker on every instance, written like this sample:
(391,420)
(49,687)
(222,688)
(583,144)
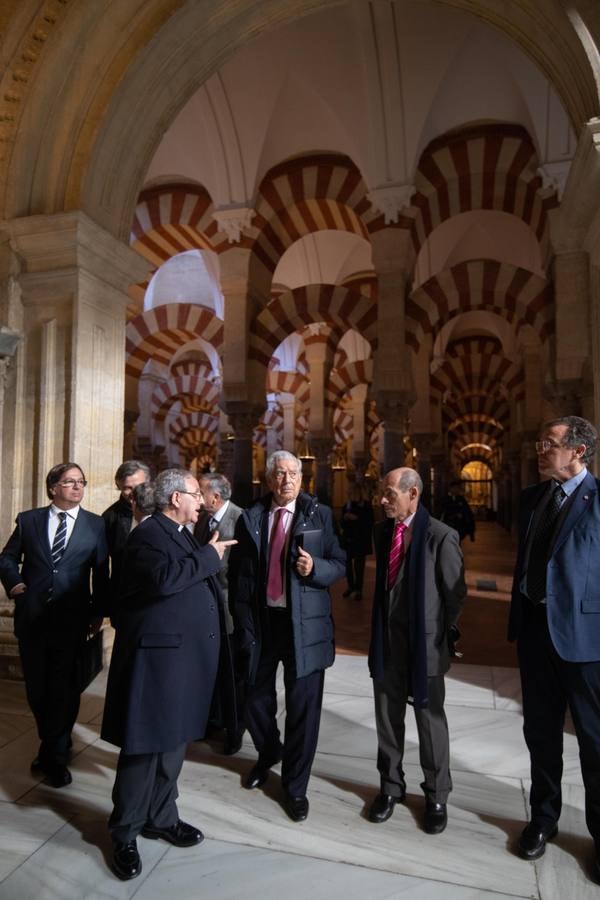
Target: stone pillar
(392,406)
(288,408)
(243,418)
(423,443)
(358,399)
(439,462)
(572,338)
(321,447)
(73,278)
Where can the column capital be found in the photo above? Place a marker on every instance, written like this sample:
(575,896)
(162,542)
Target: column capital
(243,417)
(66,242)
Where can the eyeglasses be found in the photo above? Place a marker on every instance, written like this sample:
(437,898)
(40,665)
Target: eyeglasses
(543,446)
(196,494)
(73,482)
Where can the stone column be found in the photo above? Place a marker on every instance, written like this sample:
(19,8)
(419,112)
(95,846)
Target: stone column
(243,418)
(321,447)
(74,278)
(572,339)
(288,408)
(392,406)
(358,400)
(423,443)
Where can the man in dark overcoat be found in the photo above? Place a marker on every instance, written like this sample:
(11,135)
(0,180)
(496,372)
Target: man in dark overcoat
(163,668)
(419,593)
(280,571)
(118,518)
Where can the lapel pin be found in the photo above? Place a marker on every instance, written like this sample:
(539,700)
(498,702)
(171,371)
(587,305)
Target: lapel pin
(586,497)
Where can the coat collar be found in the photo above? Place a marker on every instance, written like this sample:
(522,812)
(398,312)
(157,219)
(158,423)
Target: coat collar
(583,498)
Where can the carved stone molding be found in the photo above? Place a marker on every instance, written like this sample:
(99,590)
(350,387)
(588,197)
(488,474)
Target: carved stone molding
(234,221)
(391,200)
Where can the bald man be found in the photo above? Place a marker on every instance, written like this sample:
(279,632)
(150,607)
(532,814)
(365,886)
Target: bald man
(419,592)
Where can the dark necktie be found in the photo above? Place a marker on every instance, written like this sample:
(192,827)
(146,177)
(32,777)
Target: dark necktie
(60,538)
(541,545)
(213,524)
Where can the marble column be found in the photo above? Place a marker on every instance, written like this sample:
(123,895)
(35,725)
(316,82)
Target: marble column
(73,277)
(423,443)
(392,406)
(321,448)
(288,409)
(243,418)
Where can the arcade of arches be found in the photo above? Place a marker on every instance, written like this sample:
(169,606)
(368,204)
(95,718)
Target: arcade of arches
(363,230)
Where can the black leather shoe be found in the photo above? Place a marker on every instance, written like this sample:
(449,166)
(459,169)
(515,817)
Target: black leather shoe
(296,807)
(232,745)
(181,834)
(532,843)
(436,818)
(126,862)
(382,807)
(256,777)
(57,776)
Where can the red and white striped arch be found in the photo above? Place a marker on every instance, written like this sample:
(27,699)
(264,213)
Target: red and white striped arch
(289,383)
(193,390)
(197,439)
(477,366)
(337,306)
(343,378)
(160,332)
(201,420)
(515,294)
(486,167)
(308,194)
(171,219)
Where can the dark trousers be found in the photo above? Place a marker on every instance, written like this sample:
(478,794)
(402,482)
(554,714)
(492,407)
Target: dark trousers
(355,572)
(432,727)
(145,793)
(303,699)
(549,683)
(49,667)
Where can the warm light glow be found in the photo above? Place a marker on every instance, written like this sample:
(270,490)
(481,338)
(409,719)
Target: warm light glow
(478,446)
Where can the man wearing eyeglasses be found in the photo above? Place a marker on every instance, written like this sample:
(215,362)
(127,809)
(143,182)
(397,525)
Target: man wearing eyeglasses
(45,568)
(163,667)
(287,557)
(555,619)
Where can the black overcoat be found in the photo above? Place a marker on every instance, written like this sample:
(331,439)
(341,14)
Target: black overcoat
(166,651)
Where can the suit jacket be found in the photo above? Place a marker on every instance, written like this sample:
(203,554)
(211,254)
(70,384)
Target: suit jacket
(166,650)
(118,519)
(226,532)
(308,597)
(443,593)
(58,599)
(573,573)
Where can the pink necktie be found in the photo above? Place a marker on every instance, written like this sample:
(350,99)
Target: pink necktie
(276,560)
(396,553)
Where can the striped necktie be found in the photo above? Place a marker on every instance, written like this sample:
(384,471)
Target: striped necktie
(60,538)
(396,553)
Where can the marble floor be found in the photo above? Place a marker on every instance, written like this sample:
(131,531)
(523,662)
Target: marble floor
(54,844)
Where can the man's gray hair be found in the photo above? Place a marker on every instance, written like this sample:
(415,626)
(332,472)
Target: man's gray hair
(410,479)
(130,467)
(217,483)
(166,483)
(579,431)
(274,458)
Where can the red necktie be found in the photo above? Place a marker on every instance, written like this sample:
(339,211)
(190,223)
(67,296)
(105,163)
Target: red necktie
(396,553)
(276,556)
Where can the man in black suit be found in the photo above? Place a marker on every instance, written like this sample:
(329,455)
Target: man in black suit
(419,593)
(555,619)
(221,514)
(163,667)
(45,567)
(119,516)
(287,556)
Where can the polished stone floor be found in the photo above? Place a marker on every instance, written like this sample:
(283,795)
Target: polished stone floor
(54,844)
